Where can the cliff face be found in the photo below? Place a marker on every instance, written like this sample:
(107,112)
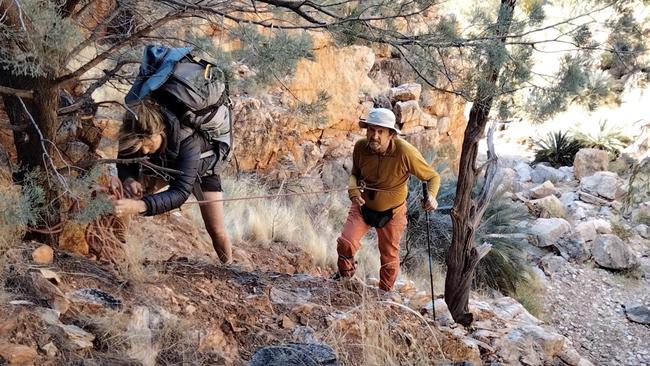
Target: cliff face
(273,136)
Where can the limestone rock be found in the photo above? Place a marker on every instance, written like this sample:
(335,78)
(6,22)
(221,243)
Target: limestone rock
(610,252)
(443,316)
(524,172)
(638,314)
(567,198)
(643,230)
(585,231)
(507,177)
(548,231)
(408,114)
(295,354)
(72,337)
(567,172)
(289,296)
(641,213)
(574,249)
(43,255)
(406,92)
(549,206)
(602,226)
(545,189)
(604,184)
(542,173)
(50,349)
(552,264)
(589,161)
(16,354)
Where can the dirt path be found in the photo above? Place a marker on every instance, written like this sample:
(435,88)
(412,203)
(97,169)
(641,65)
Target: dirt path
(587,305)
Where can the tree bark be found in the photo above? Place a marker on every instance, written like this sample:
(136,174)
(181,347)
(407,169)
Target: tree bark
(467,212)
(36,125)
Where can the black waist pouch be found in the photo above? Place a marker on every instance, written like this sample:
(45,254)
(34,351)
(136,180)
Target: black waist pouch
(376,218)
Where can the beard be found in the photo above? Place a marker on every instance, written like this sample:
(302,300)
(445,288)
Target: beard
(375,146)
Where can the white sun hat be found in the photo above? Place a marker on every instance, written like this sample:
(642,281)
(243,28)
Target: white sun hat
(381,117)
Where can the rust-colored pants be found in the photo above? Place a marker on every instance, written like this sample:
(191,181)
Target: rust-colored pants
(388,236)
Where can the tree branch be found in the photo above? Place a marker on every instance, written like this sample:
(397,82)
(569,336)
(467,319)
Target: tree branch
(66,79)
(27,94)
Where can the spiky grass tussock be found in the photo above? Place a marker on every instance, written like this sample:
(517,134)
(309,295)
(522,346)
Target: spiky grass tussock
(312,221)
(504,268)
(557,148)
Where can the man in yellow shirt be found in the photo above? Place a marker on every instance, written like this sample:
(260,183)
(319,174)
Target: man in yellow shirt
(383,163)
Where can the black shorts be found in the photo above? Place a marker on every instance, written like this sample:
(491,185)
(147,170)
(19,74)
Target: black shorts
(212,182)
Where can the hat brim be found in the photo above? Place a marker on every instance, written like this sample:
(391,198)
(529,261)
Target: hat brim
(364,124)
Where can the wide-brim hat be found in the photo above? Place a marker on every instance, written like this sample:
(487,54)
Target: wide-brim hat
(381,117)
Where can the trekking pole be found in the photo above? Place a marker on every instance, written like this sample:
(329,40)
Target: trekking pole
(425,198)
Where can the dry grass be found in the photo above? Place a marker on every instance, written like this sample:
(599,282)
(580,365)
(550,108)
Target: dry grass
(531,294)
(149,337)
(11,228)
(420,276)
(369,335)
(622,230)
(131,266)
(312,221)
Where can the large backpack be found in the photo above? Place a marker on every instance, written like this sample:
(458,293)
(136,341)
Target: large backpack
(195,90)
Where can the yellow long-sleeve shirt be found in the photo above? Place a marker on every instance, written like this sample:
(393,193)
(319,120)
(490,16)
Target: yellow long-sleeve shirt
(389,171)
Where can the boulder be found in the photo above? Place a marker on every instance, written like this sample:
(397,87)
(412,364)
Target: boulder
(43,255)
(549,206)
(643,230)
(602,226)
(642,213)
(507,179)
(303,354)
(542,173)
(638,313)
(585,231)
(567,172)
(524,172)
(577,250)
(405,92)
(567,198)
(552,264)
(545,189)
(547,232)
(610,252)
(603,184)
(16,354)
(589,161)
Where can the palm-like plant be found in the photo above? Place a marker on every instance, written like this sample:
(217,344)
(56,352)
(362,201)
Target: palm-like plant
(503,268)
(611,139)
(558,149)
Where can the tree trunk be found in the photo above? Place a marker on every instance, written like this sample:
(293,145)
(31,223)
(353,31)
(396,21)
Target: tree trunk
(37,123)
(466,214)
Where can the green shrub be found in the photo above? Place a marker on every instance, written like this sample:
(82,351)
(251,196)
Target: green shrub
(558,149)
(609,139)
(503,268)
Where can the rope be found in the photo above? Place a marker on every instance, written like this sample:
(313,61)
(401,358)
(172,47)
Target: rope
(271,196)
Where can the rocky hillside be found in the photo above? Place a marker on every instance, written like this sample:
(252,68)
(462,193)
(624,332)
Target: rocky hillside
(169,303)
